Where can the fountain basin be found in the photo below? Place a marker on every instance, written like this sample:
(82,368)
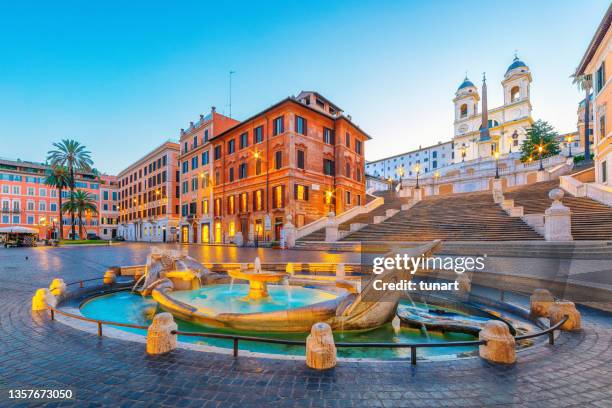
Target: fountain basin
(258,281)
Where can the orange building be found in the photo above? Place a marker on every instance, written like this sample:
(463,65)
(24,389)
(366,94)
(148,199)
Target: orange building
(593,64)
(301,156)
(195,167)
(27,201)
(148,194)
(107,207)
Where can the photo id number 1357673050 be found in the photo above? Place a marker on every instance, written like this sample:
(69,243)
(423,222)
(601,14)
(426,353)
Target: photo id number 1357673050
(39,394)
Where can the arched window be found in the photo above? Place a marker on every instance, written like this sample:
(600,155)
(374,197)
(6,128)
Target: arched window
(464,110)
(515,94)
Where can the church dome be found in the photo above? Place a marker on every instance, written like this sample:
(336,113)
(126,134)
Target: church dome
(516,63)
(465,84)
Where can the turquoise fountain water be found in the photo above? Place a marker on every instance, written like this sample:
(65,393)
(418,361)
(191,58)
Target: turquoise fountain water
(126,307)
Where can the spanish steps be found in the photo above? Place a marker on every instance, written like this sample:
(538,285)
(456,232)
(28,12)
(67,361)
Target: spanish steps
(591,220)
(392,202)
(458,217)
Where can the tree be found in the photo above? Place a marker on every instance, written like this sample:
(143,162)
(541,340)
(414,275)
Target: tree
(74,156)
(539,134)
(80,202)
(585,82)
(60,179)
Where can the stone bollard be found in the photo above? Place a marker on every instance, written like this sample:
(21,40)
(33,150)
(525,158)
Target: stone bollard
(160,339)
(540,303)
(290,232)
(110,277)
(498,195)
(340,271)
(557,219)
(331,228)
(41,299)
(560,309)
(320,347)
(57,287)
(500,343)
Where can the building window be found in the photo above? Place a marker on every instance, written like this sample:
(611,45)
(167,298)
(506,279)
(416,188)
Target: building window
(231,146)
(347,139)
(242,171)
(604,171)
(185,166)
(348,169)
(347,198)
(463,111)
(600,77)
(217,152)
(279,125)
(194,162)
(328,136)
(205,158)
(300,159)
(231,174)
(217,206)
(278,195)
(258,134)
(194,184)
(328,167)
(231,229)
(30,191)
(300,192)
(515,94)
(358,174)
(205,207)
(244,202)
(602,127)
(358,145)
(54,207)
(301,125)
(205,135)
(217,177)
(244,140)
(29,205)
(195,142)
(258,200)
(185,187)
(278,159)
(231,209)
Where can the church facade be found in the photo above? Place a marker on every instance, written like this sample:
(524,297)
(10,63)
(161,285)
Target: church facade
(479,134)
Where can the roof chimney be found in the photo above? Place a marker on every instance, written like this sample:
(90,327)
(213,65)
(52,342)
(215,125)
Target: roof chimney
(213,109)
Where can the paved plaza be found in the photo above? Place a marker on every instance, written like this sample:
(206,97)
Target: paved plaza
(39,353)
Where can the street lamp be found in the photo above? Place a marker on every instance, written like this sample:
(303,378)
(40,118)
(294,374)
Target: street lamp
(568,139)
(417,168)
(463,150)
(496,155)
(328,198)
(540,151)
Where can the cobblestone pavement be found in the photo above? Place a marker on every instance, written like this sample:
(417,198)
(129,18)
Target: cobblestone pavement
(38,353)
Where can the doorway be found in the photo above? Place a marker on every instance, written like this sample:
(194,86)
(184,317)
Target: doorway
(195,233)
(184,234)
(205,239)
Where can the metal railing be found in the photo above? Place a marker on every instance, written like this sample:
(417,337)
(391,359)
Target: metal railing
(237,338)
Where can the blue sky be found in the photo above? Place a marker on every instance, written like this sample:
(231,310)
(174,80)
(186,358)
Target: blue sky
(121,77)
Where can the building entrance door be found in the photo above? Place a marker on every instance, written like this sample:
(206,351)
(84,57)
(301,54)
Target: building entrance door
(184,234)
(217,233)
(205,234)
(195,234)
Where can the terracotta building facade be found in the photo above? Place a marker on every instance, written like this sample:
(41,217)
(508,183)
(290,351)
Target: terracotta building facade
(149,197)
(300,157)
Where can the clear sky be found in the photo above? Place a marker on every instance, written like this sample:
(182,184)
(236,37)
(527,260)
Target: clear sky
(122,77)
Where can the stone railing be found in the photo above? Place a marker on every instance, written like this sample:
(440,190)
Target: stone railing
(345,216)
(594,191)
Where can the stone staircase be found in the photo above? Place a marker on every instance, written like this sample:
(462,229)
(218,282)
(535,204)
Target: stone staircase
(459,217)
(591,220)
(392,205)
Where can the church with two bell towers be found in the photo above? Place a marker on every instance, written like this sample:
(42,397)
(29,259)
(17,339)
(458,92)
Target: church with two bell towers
(479,135)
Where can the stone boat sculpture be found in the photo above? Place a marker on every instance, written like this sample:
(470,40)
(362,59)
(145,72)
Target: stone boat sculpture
(348,311)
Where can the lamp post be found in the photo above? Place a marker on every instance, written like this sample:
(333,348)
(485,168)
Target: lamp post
(435,177)
(463,149)
(417,168)
(568,139)
(540,151)
(496,155)
(328,199)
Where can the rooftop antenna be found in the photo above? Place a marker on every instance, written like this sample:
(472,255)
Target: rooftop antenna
(230,92)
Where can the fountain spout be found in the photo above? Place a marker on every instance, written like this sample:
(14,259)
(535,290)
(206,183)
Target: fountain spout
(257,265)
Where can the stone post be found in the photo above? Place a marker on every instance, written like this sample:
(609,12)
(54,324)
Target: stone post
(320,347)
(238,239)
(540,303)
(340,271)
(557,219)
(57,287)
(331,229)
(500,343)
(160,339)
(110,277)
(290,232)
(41,299)
(498,195)
(560,309)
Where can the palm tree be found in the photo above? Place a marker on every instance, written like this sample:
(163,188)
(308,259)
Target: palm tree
(74,156)
(585,82)
(60,179)
(80,202)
